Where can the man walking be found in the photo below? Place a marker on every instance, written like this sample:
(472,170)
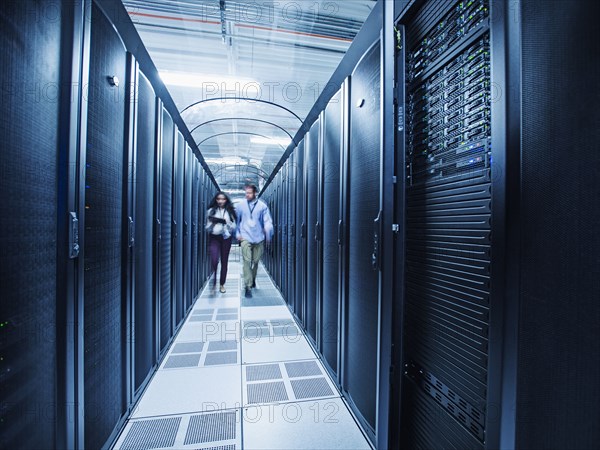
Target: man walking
(254,226)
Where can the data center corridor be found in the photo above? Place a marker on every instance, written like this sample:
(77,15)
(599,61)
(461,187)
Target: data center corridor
(240,375)
(431,269)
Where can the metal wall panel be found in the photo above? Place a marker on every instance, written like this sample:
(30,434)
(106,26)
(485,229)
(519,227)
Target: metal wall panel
(29,64)
(330,213)
(360,371)
(144,239)
(312,186)
(166,322)
(104,339)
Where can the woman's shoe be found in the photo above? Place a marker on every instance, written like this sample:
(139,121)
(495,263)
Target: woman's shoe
(222,289)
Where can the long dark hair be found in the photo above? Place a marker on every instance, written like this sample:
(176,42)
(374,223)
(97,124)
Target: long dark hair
(212,206)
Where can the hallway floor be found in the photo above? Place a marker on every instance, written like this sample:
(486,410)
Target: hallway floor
(241,375)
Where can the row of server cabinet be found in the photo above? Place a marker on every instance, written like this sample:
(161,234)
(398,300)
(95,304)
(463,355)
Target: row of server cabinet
(411,230)
(105,244)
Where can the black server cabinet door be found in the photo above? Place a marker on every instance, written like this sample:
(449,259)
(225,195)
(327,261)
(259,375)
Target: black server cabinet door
(291,242)
(195,226)
(187,223)
(360,371)
(28,225)
(312,180)
(300,235)
(330,213)
(144,239)
(166,321)
(285,230)
(178,180)
(448,212)
(104,336)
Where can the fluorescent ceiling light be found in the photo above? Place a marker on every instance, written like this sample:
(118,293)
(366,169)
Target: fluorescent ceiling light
(228,160)
(267,141)
(203,80)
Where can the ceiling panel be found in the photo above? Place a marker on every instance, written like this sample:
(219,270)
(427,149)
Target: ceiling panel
(244,74)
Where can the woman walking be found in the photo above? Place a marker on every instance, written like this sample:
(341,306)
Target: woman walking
(220,224)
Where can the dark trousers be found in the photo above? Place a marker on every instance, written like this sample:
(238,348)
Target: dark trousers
(219,248)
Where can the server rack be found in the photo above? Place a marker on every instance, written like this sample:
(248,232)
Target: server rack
(105,376)
(291,242)
(166,230)
(311,182)
(144,330)
(331,240)
(362,196)
(300,235)
(448,308)
(187,230)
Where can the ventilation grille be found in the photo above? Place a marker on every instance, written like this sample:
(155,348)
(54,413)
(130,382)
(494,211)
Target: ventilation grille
(188,347)
(201,318)
(213,359)
(259,300)
(260,373)
(179,361)
(220,346)
(267,392)
(211,428)
(156,433)
(302,369)
(227,316)
(311,387)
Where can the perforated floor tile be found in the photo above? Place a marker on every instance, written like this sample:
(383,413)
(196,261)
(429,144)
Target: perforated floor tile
(311,388)
(181,361)
(267,392)
(152,433)
(208,431)
(302,369)
(204,428)
(188,347)
(263,372)
(221,358)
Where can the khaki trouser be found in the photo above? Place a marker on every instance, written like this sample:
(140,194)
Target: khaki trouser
(251,254)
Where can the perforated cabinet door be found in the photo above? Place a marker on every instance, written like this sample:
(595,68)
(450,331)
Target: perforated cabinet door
(166,324)
(28,223)
(330,217)
(300,238)
(104,337)
(311,175)
(187,225)
(144,239)
(363,206)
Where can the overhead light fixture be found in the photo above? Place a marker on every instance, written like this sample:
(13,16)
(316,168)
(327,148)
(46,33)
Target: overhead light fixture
(204,80)
(268,141)
(229,160)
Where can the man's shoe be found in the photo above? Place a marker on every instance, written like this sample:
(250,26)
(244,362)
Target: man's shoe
(253,284)
(248,293)
(222,289)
